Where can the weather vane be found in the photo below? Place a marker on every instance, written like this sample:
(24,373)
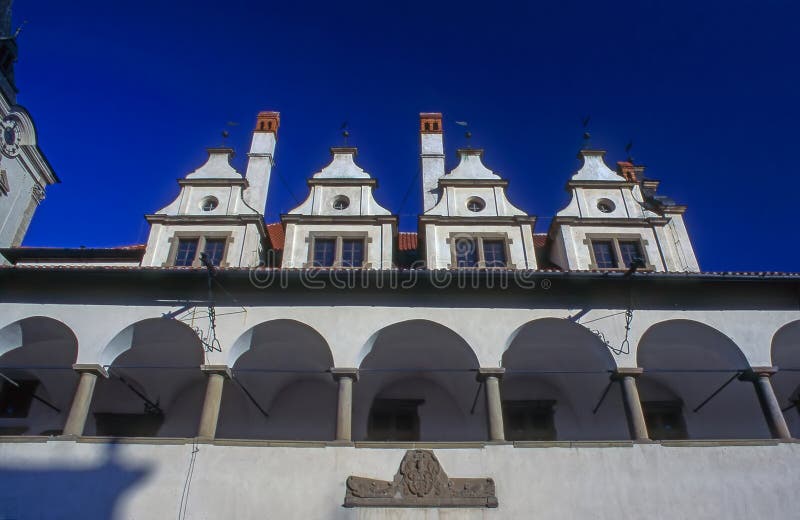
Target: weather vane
(226,134)
(345,132)
(586,135)
(628,151)
(467,133)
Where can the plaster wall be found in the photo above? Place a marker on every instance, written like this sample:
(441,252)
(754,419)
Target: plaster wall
(208,481)
(16,206)
(438,248)
(243,247)
(577,234)
(298,240)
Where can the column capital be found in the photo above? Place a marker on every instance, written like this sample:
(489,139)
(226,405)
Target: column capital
(90,368)
(223,370)
(753,373)
(340,372)
(484,373)
(621,372)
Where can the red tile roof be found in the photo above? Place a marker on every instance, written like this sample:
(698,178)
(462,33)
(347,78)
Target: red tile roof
(407,241)
(277,235)
(539,239)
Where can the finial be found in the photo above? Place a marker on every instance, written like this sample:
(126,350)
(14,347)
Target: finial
(628,151)
(587,137)
(467,133)
(345,132)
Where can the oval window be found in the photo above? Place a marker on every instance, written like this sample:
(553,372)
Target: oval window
(606,205)
(341,202)
(209,203)
(475,204)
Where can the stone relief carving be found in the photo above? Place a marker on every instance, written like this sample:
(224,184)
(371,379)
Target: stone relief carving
(37,192)
(420,482)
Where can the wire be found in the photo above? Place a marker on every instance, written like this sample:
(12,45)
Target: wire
(184,505)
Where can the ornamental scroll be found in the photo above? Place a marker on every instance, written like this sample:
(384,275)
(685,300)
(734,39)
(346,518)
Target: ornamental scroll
(420,482)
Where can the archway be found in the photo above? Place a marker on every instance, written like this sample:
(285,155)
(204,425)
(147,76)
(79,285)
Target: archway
(37,381)
(557,373)
(418,383)
(155,387)
(685,362)
(786,356)
(281,387)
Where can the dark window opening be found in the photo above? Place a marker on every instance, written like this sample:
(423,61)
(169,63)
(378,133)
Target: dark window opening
(352,252)
(324,252)
(436,126)
(529,420)
(15,401)
(187,251)
(665,420)
(261,125)
(604,254)
(494,253)
(394,420)
(269,125)
(214,250)
(466,253)
(427,126)
(128,424)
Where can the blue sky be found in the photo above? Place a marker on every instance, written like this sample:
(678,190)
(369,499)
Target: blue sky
(126,95)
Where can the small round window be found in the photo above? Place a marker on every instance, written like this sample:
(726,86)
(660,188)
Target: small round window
(475,204)
(605,205)
(209,204)
(341,202)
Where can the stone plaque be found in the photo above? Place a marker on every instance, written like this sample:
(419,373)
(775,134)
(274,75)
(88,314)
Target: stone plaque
(420,482)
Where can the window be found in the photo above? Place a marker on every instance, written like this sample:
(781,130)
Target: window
(324,252)
(15,401)
(664,420)
(209,203)
(466,252)
(341,202)
(214,250)
(394,420)
(128,424)
(479,251)
(338,251)
(529,420)
(352,252)
(604,254)
(187,252)
(475,204)
(610,252)
(606,205)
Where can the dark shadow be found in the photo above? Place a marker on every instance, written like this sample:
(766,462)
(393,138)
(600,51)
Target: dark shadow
(68,491)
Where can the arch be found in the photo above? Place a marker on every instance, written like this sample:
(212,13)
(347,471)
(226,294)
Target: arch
(434,344)
(685,362)
(680,344)
(283,336)
(37,354)
(556,344)
(164,339)
(281,387)
(417,362)
(557,371)
(786,383)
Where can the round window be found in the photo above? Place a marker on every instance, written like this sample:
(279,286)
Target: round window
(341,202)
(475,204)
(605,205)
(209,204)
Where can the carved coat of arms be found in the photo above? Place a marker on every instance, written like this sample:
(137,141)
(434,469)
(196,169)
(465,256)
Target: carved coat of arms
(420,482)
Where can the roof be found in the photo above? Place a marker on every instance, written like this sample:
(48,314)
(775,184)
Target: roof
(132,253)
(277,235)
(539,239)
(407,241)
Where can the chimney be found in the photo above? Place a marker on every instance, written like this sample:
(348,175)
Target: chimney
(630,171)
(431,157)
(261,159)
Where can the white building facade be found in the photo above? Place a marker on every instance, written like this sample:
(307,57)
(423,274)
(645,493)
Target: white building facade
(326,368)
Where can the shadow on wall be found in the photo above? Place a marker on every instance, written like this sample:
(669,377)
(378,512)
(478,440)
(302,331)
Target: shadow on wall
(91,492)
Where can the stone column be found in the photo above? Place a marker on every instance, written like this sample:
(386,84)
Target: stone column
(759,376)
(217,374)
(494,403)
(633,405)
(344,413)
(82,401)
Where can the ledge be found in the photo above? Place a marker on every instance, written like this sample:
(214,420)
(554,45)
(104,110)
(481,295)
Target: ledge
(698,443)
(421,445)
(573,444)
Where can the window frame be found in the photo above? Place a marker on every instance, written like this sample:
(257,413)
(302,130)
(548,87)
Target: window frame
(339,237)
(615,239)
(661,407)
(390,405)
(547,406)
(479,238)
(201,246)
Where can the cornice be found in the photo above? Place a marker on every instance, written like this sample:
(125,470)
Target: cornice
(612,222)
(209,219)
(513,220)
(443,181)
(343,182)
(289,218)
(214,182)
(600,184)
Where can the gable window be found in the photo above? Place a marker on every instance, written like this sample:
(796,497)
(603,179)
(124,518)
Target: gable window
(529,420)
(338,251)
(188,249)
(479,251)
(664,420)
(616,252)
(394,420)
